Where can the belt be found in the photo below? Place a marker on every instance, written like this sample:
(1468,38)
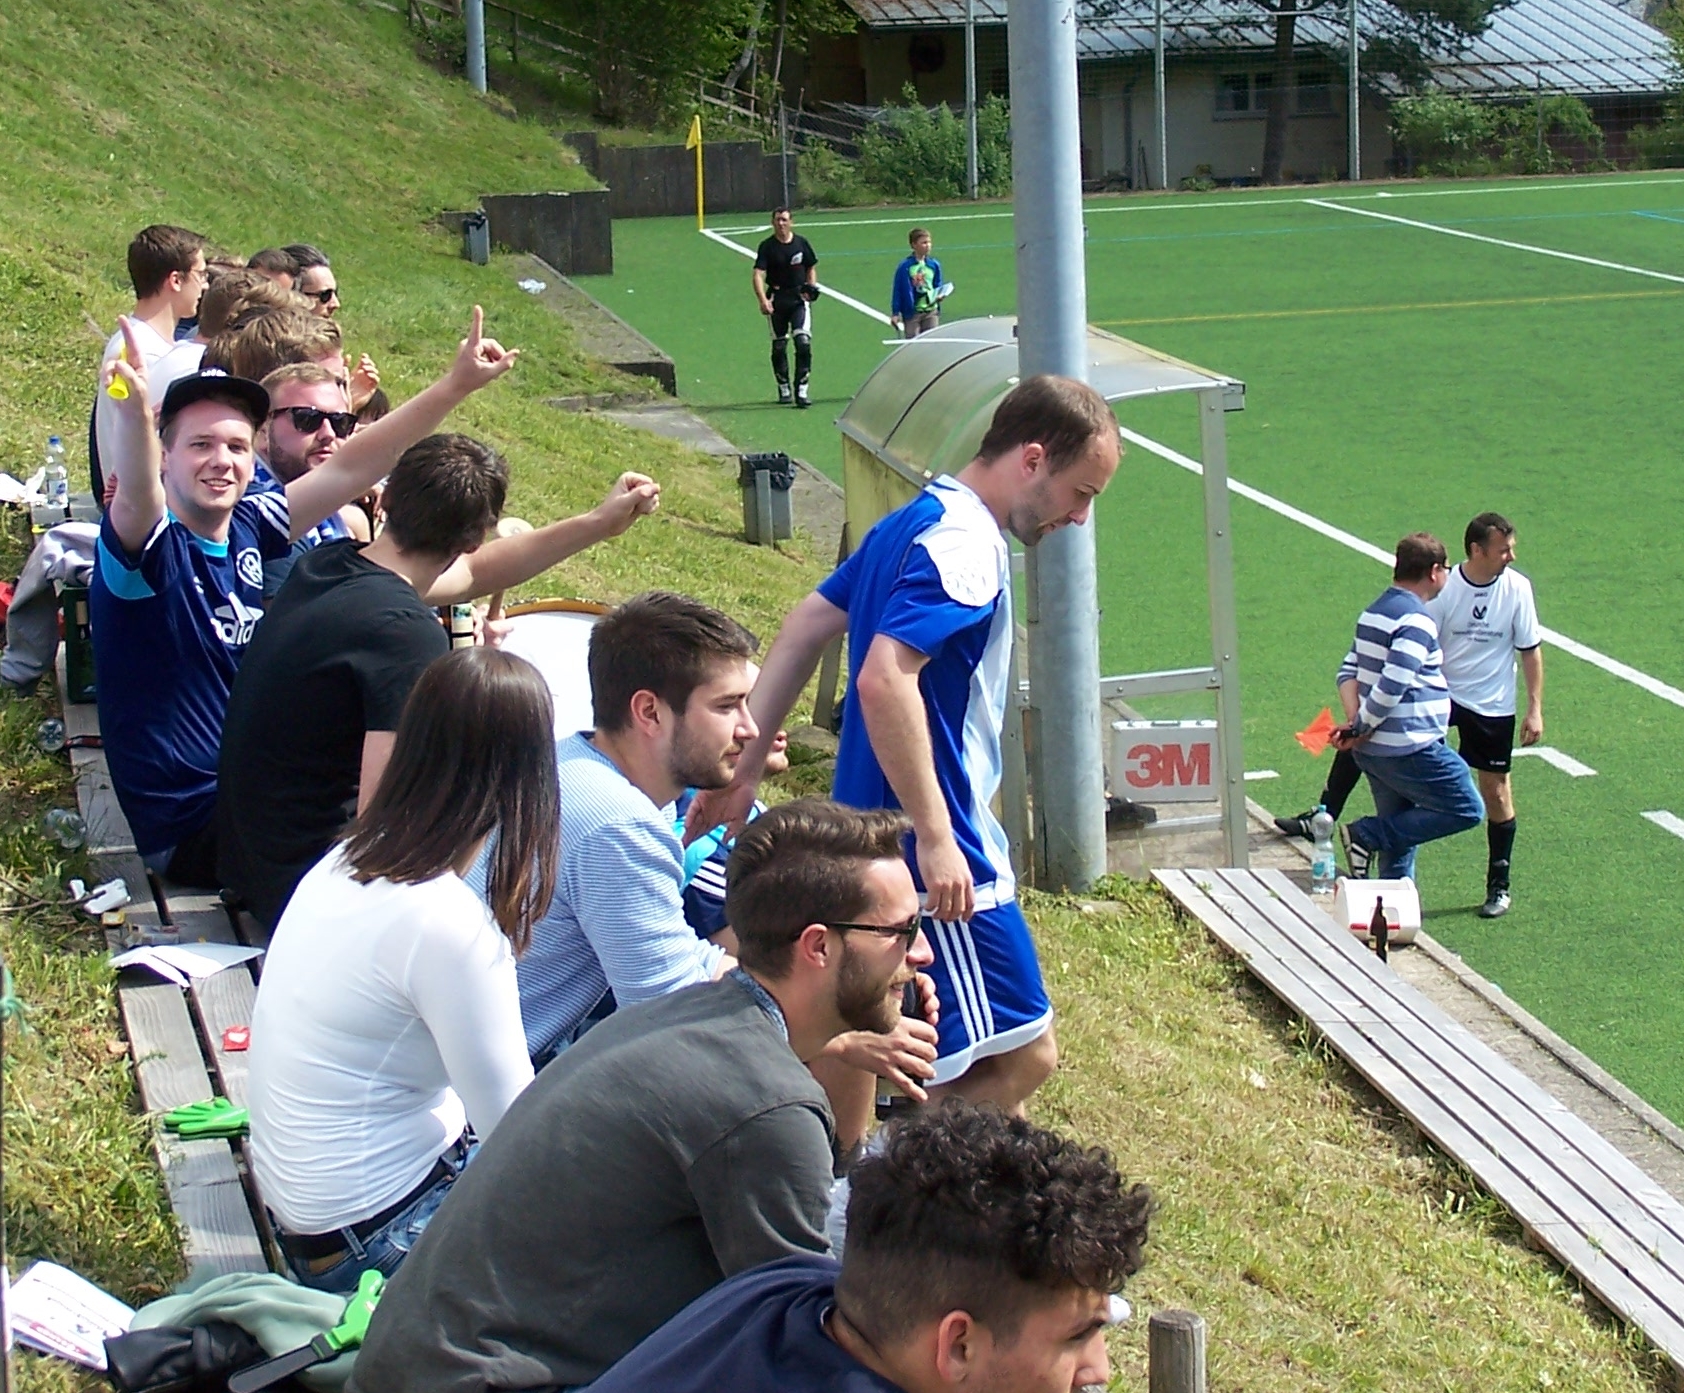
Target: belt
(313,1247)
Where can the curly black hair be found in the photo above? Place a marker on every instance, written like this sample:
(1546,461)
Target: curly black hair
(968,1209)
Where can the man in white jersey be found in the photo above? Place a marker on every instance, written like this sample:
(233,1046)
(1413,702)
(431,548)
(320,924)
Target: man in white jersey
(926,603)
(1486,615)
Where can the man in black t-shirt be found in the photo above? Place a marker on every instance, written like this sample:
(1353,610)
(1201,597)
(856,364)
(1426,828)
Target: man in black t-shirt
(316,702)
(786,282)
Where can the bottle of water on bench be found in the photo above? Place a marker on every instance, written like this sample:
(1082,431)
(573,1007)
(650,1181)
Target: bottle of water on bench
(1323,868)
(56,486)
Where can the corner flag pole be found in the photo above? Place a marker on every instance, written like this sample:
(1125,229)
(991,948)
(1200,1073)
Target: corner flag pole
(693,141)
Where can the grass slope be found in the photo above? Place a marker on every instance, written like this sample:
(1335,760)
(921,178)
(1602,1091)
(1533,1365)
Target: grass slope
(1326,1248)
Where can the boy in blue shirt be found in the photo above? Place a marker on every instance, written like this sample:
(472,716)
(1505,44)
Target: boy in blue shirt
(915,301)
(178,579)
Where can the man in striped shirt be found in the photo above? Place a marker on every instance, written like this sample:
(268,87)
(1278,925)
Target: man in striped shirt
(1397,708)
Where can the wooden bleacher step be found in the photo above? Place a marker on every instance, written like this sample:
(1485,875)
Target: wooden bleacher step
(1618,1231)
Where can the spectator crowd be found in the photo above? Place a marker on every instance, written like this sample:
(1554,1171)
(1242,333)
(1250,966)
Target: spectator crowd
(567,1032)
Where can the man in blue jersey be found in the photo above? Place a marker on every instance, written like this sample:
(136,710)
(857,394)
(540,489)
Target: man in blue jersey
(178,581)
(1397,709)
(926,604)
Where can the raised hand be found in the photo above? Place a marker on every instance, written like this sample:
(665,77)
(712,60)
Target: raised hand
(633,496)
(128,371)
(479,361)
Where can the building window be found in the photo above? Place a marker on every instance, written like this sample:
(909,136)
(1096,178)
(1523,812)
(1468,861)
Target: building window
(1243,95)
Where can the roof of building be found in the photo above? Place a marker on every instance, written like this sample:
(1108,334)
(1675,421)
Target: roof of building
(1585,47)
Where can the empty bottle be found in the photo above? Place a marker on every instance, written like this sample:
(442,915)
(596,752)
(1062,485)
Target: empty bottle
(57,483)
(1323,868)
(66,828)
(49,735)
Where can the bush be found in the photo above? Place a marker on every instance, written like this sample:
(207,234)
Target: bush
(1659,146)
(831,180)
(916,153)
(1442,134)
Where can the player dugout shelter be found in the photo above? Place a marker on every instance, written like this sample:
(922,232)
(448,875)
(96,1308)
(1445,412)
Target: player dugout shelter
(923,412)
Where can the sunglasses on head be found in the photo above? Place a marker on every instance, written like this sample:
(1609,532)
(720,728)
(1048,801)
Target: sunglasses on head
(307,420)
(320,296)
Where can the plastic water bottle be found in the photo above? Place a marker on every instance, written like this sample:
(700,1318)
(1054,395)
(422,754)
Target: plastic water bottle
(57,483)
(1323,868)
(66,828)
(50,736)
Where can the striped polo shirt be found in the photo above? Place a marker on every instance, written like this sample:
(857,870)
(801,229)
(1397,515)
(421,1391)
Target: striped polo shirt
(1398,665)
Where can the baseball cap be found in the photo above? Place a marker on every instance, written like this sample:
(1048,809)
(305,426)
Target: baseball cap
(215,383)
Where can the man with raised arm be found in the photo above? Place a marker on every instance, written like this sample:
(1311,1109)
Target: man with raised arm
(926,604)
(178,582)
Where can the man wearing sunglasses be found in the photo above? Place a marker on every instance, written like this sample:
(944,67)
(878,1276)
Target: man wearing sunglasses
(308,421)
(314,278)
(678,1143)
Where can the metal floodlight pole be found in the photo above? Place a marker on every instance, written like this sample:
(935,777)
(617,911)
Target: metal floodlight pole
(1160,116)
(1053,337)
(1353,103)
(971,172)
(473,20)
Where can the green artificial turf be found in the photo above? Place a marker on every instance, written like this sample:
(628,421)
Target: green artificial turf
(1398,379)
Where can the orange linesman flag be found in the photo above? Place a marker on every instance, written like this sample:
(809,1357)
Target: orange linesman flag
(1315,736)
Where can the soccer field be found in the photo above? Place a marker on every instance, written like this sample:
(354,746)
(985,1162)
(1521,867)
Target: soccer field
(1412,356)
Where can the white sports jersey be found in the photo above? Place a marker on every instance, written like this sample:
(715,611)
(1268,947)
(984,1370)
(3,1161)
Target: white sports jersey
(1481,628)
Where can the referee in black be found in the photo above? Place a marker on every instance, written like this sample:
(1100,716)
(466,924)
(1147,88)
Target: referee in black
(786,282)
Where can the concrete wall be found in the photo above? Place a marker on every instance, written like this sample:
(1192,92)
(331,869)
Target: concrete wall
(659,181)
(571,231)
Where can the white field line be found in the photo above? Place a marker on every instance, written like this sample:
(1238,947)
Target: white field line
(847,300)
(1613,666)
(1499,241)
(1158,204)
(1253,775)
(1569,766)
(1668,822)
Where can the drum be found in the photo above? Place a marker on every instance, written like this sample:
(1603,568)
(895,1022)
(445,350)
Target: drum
(554,636)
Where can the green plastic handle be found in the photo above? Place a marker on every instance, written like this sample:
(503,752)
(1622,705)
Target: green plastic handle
(353,1325)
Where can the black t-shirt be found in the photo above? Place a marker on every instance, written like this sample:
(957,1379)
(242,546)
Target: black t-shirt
(336,656)
(785,263)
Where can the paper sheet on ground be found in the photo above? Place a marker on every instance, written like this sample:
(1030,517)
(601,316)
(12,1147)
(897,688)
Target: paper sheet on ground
(180,963)
(53,1309)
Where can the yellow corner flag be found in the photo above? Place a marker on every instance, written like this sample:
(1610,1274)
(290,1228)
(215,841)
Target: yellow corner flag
(693,141)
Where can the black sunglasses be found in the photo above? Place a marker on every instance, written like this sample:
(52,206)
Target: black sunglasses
(307,420)
(907,932)
(321,297)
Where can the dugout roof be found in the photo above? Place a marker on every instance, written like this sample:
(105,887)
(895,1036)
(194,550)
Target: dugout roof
(924,410)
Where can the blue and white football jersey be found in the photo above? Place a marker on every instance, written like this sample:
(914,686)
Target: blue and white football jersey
(936,575)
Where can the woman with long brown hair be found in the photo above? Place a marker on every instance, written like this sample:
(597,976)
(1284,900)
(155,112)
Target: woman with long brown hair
(388,1017)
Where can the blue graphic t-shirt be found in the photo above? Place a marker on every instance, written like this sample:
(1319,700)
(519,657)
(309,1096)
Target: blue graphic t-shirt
(935,575)
(169,626)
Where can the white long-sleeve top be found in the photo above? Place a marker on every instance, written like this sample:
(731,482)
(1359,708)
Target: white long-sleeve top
(387,1013)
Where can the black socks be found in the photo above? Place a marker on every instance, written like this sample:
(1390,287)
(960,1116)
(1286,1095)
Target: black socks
(1500,838)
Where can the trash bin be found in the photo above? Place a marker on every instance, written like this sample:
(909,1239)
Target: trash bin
(476,238)
(765,481)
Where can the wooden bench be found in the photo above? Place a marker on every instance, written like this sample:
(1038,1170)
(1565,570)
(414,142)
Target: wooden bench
(1619,1232)
(175,1035)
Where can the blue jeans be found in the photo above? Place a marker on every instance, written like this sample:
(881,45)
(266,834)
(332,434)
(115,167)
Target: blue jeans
(1418,798)
(387,1246)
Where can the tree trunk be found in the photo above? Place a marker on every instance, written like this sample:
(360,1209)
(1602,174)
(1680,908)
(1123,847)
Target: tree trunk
(778,50)
(740,68)
(1280,97)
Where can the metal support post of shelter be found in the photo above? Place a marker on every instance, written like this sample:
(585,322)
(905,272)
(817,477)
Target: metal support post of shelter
(473,21)
(1052,325)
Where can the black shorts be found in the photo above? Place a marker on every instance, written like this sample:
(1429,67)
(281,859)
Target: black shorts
(1486,742)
